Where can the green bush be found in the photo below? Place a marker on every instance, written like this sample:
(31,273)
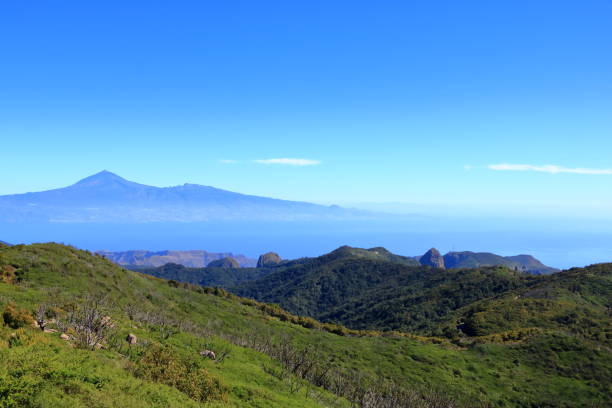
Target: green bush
(15,317)
(160,364)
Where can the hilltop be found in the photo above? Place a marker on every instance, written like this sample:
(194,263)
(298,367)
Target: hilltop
(523,263)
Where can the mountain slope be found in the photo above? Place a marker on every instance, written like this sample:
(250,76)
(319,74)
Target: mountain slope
(228,277)
(524,263)
(209,276)
(173,322)
(106,197)
(375,294)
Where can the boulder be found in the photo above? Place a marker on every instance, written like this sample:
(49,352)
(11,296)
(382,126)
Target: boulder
(208,354)
(269,259)
(131,339)
(64,336)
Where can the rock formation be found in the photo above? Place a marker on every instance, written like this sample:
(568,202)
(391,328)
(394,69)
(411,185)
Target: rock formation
(268,259)
(433,258)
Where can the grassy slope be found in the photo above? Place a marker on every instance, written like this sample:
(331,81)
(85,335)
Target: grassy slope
(550,369)
(62,275)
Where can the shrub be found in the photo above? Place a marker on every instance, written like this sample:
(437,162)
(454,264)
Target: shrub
(89,324)
(160,364)
(15,317)
(8,274)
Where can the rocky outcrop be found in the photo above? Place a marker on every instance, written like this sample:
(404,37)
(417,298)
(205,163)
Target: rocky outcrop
(208,354)
(433,258)
(227,263)
(269,259)
(131,339)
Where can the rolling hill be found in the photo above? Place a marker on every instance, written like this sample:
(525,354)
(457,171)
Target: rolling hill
(210,276)
(267,357)
(523,263)
(383,294)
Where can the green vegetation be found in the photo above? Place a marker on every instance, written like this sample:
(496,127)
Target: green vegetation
(15,318)
(524,263)
(367,294)
(209,276)
(263,359)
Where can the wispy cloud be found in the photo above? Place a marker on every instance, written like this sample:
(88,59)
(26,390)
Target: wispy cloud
(228,161)
(549,168)
(289,162)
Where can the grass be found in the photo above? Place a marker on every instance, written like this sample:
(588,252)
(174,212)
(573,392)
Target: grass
(546,369)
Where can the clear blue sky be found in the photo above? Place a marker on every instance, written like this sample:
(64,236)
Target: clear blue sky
(390,100)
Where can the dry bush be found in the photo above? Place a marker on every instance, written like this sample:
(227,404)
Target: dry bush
(15,317)
(88,324)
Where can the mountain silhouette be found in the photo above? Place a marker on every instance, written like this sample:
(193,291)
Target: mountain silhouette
(107,197)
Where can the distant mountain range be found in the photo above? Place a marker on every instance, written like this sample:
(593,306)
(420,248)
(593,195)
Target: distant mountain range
(467,259)
(452,260)
(106,197)
(192,259)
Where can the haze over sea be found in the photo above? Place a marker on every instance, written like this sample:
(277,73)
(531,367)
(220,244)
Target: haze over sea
(499,108)
(555,242)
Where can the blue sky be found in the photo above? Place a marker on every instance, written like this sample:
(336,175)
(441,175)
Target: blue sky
(389,101)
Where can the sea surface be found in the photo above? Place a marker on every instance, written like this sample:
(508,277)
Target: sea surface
(557,243)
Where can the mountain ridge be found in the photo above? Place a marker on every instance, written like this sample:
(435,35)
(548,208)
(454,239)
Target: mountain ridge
(189,258)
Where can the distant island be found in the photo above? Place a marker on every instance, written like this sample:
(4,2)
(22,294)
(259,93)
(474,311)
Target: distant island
(107,197)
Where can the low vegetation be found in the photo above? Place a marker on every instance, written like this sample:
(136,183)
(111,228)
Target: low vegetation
(264,356)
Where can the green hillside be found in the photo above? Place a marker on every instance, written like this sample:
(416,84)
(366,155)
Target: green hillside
(369,294)
(265,360)
(524,263)
(225,277)
(208,276)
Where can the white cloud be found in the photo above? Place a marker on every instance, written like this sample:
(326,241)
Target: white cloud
(549,168)
(228,161)
(289,162)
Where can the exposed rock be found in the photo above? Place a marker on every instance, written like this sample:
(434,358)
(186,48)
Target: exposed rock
(107,322)
(433,258)
(269,259)
(208,354)
(64,336)
(228,263)
(131,339)
(50,331)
